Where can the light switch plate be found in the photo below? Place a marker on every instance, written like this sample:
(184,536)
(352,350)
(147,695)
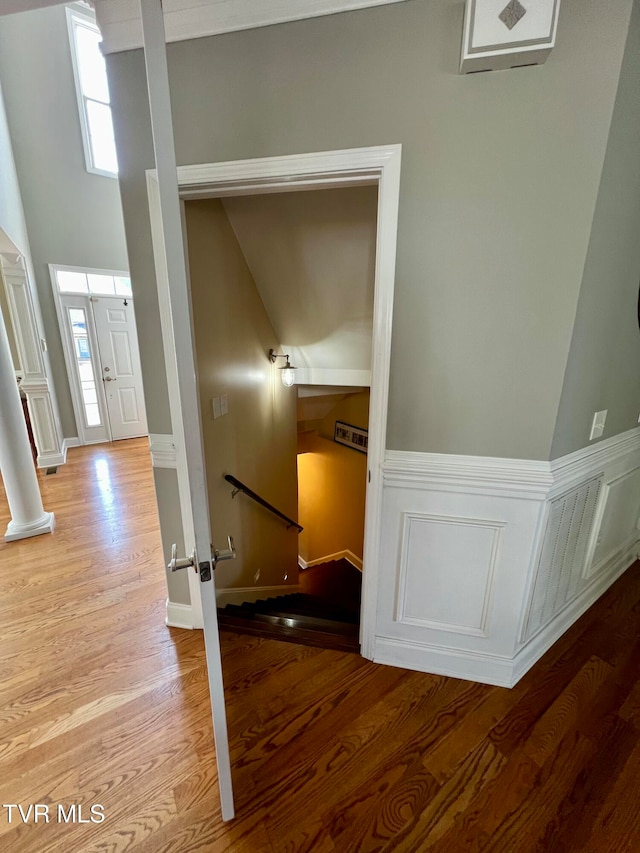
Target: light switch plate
(216,407)
(224,404)
(597,426)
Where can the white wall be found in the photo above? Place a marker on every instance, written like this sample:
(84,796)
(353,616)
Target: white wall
(312,257)
(13,230)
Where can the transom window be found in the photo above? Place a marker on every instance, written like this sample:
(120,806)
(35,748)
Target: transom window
(92,89)
(95,284)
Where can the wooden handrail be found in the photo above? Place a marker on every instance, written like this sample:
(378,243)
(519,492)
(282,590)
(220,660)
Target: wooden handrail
(241,487)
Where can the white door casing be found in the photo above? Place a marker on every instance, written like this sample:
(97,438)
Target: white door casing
(120,365)
(377,165)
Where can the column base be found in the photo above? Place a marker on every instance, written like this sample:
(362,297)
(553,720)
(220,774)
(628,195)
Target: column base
(36,528)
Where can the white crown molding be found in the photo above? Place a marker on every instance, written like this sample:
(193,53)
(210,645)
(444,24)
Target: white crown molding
(121,26)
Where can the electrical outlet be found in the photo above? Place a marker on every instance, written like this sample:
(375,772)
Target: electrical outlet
(597,426)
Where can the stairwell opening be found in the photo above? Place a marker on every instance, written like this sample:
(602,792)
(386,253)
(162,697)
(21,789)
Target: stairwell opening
(294,272)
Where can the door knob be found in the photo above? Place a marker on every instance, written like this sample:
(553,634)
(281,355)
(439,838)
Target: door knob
(228,554)
(176,563)
(109,378)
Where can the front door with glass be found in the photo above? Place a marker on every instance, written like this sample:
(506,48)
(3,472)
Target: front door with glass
(97,323)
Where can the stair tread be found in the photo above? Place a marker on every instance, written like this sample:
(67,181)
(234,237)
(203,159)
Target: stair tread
(323,639)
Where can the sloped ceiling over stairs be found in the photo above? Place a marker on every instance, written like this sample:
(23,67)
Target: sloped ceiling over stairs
(312,256)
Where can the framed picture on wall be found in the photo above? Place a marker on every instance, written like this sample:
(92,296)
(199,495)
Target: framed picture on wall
(351,436)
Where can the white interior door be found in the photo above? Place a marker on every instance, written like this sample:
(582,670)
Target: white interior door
(169,255)
(120,365)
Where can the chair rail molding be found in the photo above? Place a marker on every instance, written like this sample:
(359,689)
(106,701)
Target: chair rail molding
(489,561)
(163,451)
(31,347)
(121,25)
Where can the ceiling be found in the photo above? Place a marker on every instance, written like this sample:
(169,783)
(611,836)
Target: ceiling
(312,257)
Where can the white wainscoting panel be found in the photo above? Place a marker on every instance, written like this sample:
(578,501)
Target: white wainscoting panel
(486,562)
(563,556)
(435,556)
(618,522)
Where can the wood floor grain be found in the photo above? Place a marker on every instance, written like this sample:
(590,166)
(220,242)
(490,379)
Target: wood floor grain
(101,703)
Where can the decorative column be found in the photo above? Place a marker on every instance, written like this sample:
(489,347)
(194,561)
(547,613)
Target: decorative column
(28,517)
(35,382)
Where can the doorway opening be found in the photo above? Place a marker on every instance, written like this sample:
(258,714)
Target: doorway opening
(97,324)
(286,272)
(377,166)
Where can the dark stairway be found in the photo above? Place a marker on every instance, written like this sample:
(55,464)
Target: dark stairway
(303,617)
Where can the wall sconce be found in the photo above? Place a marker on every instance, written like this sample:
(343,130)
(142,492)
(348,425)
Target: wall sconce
(287,374)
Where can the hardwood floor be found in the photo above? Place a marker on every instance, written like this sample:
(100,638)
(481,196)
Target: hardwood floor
(102,704)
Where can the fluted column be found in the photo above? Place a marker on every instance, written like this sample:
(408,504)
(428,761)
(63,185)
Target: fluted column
(28,516)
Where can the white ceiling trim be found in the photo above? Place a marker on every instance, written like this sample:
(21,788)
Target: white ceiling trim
(121,28)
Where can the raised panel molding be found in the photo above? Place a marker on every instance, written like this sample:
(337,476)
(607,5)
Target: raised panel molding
(121,28)
(50,450)
(617,520)
(34,381)
(486,562)
(435,556)
(23,317)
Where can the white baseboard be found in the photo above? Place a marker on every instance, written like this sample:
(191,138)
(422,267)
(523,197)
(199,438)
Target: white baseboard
(240,595)
(495,669)
(179,615)
(347,555)
(454,663)
(52,460)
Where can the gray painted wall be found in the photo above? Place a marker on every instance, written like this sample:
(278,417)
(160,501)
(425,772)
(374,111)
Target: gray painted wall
(73,217)
(603,371)
(500,175)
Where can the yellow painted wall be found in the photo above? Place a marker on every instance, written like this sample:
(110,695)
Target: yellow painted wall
(256,440)
(332,483)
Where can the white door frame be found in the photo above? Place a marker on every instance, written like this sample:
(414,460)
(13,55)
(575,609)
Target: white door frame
(69,355)
(379,166)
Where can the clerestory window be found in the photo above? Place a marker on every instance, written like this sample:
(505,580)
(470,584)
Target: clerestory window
(92,89)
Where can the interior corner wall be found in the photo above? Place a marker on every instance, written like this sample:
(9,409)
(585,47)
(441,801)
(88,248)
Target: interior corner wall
(603,369)
(73,217)
(500,173)
(255,440)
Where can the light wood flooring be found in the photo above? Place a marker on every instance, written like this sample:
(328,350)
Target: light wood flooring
(102,704)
